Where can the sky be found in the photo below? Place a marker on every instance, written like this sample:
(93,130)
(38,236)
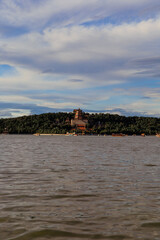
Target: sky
(97,55)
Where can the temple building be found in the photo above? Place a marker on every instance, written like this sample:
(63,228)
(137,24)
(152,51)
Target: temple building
(78,122)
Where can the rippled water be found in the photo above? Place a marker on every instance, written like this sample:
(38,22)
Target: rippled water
(58,187)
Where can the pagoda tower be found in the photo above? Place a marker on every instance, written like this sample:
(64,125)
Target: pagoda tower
(78,114)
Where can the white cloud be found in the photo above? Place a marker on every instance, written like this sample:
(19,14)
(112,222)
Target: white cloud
(109,51)
(150,107)
(33,14)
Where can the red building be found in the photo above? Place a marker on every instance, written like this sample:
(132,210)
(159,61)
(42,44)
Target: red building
(78,122)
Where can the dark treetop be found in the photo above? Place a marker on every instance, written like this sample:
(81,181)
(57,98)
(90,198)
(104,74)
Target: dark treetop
(59,123)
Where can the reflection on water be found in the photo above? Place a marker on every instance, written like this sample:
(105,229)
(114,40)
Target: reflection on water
(57,187)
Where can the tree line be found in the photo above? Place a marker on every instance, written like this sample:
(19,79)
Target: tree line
(99,123)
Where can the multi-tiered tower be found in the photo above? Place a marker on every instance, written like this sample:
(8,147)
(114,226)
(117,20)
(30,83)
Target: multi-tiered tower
(78,122)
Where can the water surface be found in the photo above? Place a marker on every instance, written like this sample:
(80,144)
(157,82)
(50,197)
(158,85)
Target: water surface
(85,187)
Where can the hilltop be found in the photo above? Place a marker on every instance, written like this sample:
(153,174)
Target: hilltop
(99,123)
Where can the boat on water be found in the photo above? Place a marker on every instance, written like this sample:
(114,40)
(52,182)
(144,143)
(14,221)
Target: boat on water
(71,134)
(36,134)
(143,135)
(118,135)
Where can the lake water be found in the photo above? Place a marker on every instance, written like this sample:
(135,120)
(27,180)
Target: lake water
(85,187)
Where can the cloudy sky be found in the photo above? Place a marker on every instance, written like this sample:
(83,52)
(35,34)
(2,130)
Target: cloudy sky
(99,55)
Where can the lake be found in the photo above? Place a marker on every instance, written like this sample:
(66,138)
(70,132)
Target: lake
(85,187)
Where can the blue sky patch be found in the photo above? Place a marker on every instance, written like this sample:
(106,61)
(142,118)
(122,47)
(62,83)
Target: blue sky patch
(6,70)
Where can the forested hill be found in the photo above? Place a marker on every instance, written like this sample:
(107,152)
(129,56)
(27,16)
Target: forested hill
(97,124)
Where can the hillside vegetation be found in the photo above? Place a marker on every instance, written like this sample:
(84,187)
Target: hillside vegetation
(97,124)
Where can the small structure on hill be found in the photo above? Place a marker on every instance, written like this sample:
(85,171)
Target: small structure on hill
(5,131)
(78,122)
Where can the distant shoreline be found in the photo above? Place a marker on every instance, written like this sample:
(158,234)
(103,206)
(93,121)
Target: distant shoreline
(58,124)
(48,134)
